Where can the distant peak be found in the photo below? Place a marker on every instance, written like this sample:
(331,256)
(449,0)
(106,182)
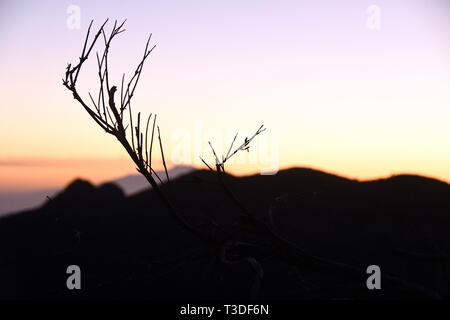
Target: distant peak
(79,185)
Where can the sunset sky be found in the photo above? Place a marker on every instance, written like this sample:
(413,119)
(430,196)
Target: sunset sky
(334,93)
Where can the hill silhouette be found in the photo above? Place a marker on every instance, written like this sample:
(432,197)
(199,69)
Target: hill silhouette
(11,202)
(129,247)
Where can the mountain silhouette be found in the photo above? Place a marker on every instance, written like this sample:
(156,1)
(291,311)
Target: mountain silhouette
(11,202)
(129,247)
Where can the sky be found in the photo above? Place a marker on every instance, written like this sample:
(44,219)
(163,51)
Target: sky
(356,88)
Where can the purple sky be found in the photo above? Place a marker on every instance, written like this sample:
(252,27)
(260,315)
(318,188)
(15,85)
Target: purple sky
(333,93)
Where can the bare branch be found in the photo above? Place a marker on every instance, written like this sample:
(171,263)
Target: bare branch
(146,139)
(116,127)
(151,141)
(245,145)
(206,164)
(162,155)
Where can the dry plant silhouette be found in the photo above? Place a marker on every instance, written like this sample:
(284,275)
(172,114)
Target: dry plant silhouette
(232,247)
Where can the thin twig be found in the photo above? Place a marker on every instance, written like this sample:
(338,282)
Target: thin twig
(146,138)
(162,155)
(151,141)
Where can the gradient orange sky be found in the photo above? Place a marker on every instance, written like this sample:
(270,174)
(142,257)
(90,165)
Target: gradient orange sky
(334,94)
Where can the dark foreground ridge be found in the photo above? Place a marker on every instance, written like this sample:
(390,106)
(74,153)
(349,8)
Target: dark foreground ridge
(128,247)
